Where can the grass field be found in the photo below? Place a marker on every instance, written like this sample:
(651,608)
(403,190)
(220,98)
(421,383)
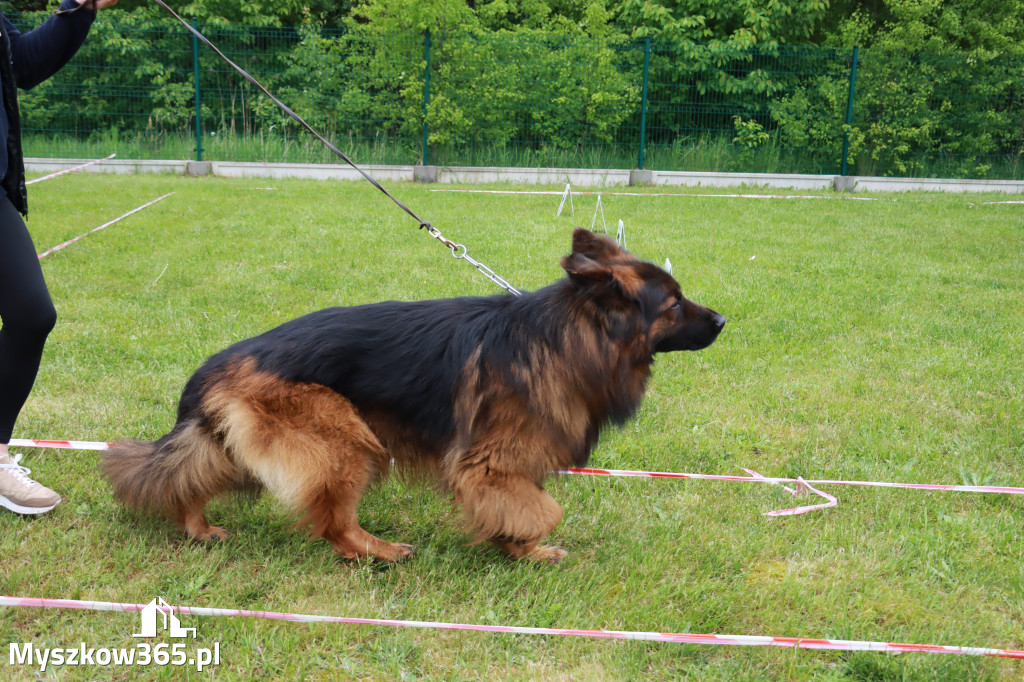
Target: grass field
(866,340)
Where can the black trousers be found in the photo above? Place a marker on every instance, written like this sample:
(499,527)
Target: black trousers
(26,313)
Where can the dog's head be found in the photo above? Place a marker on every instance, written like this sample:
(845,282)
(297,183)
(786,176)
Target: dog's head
(648,295)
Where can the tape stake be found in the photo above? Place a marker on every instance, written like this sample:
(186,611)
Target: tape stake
(668,637)
(69,242)
(567,194)
(593,221)
(69,170)
(620,236)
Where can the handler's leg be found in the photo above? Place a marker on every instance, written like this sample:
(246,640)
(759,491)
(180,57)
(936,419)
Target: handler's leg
(27,315)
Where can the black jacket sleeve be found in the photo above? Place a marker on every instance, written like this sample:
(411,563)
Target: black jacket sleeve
(41,52)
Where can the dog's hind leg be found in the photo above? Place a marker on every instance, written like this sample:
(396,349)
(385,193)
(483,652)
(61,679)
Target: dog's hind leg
(215,474)
(332,511)
(177,475)
(330,499)
(192,520)
(311,448)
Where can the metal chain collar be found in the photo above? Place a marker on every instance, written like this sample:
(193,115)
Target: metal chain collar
(459,252)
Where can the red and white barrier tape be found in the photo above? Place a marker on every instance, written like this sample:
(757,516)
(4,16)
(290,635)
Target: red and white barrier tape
(669,637)
(652,194)
(69,170)
(71,241)
(757,478)
(60,444)
(802,485)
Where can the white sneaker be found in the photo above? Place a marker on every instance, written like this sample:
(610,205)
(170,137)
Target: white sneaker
(21,494)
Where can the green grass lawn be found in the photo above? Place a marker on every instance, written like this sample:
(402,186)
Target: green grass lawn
(866,340)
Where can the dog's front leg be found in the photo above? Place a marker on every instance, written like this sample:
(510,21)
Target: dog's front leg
(510,510)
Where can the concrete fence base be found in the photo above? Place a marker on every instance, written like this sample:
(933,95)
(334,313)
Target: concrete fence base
(582,177)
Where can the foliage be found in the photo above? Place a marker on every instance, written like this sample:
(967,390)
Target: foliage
(810,116)
(354,84)
(559,17)
(914,112)
(744,23)
(148,89)
(548,82)
(476,81)
(249,12)
(749,134)
(941,77)
(539,79)
(965,26)
(436,16)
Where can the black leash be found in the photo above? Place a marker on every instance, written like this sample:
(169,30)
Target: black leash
(458,250)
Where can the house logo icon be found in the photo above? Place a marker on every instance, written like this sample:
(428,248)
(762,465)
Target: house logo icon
(170,622)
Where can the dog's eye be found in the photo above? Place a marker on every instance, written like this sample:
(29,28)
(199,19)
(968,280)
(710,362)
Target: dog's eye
(676,305)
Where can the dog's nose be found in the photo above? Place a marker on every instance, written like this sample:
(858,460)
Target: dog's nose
(718,320)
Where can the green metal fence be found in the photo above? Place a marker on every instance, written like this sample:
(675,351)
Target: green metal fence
(147,89)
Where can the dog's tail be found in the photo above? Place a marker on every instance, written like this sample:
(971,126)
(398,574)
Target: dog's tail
(186,467)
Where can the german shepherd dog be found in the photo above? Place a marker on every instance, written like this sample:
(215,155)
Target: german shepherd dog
(490,395)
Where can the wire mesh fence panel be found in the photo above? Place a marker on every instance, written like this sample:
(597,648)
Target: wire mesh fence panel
(237,122)
(720,108)
(528,100)
(534,101)
(920,113)
(348,86)
(359,89)
(128,90)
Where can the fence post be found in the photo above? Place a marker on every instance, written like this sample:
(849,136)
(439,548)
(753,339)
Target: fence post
(849,110)
(643,102)
(426,96)
(199,105)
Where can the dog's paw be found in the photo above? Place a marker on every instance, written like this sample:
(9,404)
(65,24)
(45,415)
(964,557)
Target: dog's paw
(547,554)
(210,534)
(395,551)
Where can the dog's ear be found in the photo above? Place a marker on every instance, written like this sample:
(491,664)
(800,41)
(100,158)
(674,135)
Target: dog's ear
(585,270)
(595,247)
(611,277)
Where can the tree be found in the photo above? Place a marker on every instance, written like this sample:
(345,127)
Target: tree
(246,12)
(743,23)
(968,26)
